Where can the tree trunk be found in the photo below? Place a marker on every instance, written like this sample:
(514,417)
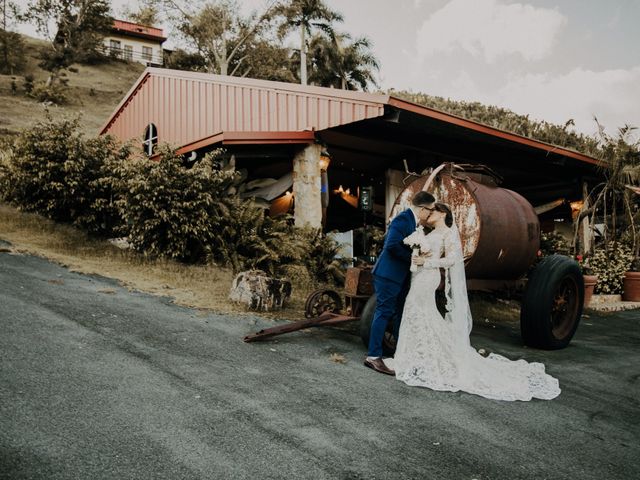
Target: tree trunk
(5,34)
(224,57)
(303,57)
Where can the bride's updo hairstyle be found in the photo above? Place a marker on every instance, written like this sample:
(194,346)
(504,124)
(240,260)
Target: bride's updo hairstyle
(444,208)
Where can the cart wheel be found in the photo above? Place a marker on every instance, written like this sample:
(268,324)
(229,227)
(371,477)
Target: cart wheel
(321,301)
(552,303)
(389,341)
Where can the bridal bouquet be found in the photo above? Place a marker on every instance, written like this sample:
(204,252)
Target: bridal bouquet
(416,243)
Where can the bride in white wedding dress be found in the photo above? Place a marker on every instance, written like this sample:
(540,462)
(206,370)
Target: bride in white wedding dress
(435,352)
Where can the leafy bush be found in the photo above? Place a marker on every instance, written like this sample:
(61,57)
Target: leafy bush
(52,170)
(104,179)
(166,209)
(375,240)
(612,199)
(55,92)
(552,243)
(193,218)
(251,239)
(584,261)
(320,257)
(28,83)
(5,168)
(174,212)
(610,266)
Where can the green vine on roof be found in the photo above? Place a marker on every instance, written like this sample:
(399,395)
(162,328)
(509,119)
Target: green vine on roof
(504,119)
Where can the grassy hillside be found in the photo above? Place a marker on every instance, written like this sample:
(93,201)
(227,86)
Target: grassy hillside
(94,92)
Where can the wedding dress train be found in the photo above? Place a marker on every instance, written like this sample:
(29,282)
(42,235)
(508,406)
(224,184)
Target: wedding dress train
(436,353)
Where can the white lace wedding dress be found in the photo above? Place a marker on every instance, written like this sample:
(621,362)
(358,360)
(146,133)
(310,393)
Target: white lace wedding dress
(436,353)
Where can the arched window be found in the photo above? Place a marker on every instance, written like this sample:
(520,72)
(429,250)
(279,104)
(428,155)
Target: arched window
(150,139)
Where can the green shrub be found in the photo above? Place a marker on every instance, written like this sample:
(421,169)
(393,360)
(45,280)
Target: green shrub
(320,257)
(46,170)
(166,209)
(249,238)
(52,170)
(171,211)
(552,243)
(56,92)
(5,168)
(105,159)
(374,240)
(28,83)
(610,266)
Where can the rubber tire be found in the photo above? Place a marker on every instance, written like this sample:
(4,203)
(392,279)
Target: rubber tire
(366,318)
(535,315)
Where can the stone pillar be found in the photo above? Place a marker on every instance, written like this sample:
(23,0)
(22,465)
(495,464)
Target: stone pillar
(306,187)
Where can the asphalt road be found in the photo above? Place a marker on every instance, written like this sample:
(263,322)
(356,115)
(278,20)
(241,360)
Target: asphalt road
(99,382)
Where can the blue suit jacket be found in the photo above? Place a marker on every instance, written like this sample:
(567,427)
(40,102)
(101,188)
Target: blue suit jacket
(395,259)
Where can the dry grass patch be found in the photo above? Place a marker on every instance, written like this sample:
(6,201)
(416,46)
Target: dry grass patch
(205,287)
(94,92)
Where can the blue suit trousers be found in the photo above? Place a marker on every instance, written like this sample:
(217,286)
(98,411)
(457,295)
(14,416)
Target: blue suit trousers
(390,297)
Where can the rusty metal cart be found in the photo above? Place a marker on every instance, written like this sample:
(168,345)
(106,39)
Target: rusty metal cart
(325,306)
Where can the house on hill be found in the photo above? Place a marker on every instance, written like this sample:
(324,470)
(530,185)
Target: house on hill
(135,42)
(325,147)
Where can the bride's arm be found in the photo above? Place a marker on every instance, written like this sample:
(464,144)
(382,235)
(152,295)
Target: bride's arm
(451,256)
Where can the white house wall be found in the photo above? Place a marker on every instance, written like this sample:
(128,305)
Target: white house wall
(137,44)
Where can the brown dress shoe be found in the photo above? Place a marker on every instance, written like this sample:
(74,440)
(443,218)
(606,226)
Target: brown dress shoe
(379,366)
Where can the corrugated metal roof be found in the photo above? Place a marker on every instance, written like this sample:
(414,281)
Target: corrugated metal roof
(487,130)
(188,106)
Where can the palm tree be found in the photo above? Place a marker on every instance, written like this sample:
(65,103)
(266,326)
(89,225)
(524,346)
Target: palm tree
(307,16)
(339,63)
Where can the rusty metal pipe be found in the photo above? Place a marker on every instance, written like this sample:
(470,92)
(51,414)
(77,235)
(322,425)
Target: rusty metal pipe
(327,318)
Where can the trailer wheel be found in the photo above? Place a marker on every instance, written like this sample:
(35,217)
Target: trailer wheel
(552,303)
(389,341)
(322,300)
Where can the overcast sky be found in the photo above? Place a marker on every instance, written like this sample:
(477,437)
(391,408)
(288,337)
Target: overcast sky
(551,59)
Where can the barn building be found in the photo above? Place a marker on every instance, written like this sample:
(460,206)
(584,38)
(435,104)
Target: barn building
(320,151)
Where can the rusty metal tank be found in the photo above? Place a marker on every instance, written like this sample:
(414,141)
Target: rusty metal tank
(499,228)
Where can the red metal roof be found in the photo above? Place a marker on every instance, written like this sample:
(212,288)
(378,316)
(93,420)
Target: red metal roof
(135,29)
(187,107)
(193,109)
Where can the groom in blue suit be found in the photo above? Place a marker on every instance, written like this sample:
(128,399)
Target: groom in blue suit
(391,276)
